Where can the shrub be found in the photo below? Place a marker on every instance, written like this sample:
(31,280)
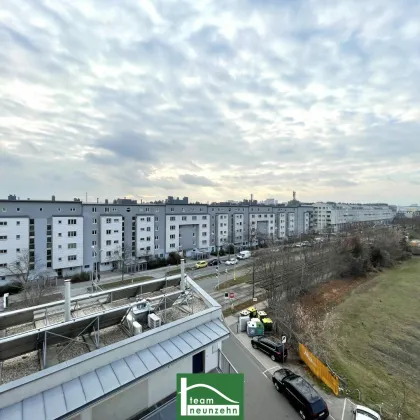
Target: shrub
(11,288)
(81,277)
(174,258)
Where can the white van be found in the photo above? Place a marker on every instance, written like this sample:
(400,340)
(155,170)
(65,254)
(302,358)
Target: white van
(243,255)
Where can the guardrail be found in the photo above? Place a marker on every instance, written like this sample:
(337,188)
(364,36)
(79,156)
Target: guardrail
(224,364)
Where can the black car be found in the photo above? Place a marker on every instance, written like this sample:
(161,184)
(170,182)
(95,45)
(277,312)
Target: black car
(271,346)
(301,395)
(213,262)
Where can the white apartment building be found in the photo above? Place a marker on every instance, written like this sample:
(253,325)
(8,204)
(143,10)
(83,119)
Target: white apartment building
(290,224)
(186,231)
(262,226)
(335,217)
(14,238)
(238,228)
(110,241)
(145,235)
(67,244)
(222,229)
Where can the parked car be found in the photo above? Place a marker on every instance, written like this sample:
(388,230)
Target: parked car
(271,346)
(201,264)
(364,413)
(211,263)
(301,394)
(232,261)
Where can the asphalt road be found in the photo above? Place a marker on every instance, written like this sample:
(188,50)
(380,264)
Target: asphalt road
(262,401)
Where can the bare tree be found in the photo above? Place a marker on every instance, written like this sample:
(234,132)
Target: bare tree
(30,282)
(124,256)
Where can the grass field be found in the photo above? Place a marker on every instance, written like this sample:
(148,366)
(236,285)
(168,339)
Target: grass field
(239,279)
(376,347)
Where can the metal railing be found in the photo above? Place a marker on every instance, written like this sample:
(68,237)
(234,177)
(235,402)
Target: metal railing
(224,364)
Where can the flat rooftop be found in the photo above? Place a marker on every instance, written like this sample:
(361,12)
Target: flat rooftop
(35,338)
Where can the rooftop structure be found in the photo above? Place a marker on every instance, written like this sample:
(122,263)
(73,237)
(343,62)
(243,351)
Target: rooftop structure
(87,355)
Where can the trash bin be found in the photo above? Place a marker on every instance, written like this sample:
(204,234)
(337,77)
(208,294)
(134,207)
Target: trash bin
(268,324)
(262,315)
(254,327)
(243,320)
(252,312)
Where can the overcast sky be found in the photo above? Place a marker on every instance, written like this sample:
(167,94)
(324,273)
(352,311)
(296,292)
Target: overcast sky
(211,99)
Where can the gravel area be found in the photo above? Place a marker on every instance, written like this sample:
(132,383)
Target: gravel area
(20,366)
(111,335)
(116,303)
(91,309)
(18,329)
(55,318)
(72,351)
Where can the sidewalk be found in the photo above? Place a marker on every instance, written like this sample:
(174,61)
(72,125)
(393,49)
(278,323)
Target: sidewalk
(337,407)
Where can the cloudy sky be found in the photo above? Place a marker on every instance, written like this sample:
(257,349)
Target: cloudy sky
(211,99)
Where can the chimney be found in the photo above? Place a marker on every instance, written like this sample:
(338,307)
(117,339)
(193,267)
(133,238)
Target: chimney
(97,200)
(53,198)
(182,275)
(67,297)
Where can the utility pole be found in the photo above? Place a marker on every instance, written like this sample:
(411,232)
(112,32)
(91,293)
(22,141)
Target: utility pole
(253,280)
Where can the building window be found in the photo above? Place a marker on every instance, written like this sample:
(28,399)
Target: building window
(108,243)
(204,217)
(148,238)
(4,265)
(148,229)
(172,209)
(172,227)
(59,222)
(194,218)
(108,220)
(59,209)
(3,238)
(184,218)
(59,247)
(156,238)
(18,209)
(204,234)
(114,209)
(3,251)
(172,246)
(94,232)
(17,236)
(3,223)
(71,246)
(116,231)
(72,221)
(156,219)
(72,234)
(73,209)
(60,235)
(156,227)
(204,242)
(108,253)
(156,246)
(72,257)
(148,219)
(116,241)
(171,236)
(94,243)
(94,221)
(116,220)
(204,226)
(172,218)
(93,209)
(106,209)
(108,232)
(147,209)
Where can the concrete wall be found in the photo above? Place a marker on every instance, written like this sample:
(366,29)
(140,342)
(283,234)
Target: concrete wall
(188,237)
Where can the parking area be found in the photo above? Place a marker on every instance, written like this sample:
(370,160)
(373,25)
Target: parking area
(340,408)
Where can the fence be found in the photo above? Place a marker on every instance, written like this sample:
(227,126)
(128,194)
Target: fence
(224,364)
(319,369)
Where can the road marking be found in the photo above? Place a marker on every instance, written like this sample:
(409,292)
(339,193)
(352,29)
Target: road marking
(275,367)
(344,408)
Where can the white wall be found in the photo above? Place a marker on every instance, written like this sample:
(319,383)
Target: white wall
(145,235)
(222,229)
(61,242)
(111,230)
(203,222)
(16,231)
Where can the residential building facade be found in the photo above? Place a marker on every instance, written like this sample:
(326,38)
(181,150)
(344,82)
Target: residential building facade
(71,236)
(333,217)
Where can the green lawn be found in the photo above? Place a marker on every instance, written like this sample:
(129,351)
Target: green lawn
(126,282)
(174,271)
(376,346)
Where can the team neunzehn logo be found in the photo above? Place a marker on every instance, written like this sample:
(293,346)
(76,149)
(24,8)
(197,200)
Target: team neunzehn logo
(210,395)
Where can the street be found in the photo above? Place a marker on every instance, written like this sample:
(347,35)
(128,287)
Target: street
(262,401)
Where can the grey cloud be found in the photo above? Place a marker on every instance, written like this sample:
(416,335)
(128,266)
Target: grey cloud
(302,87)
(197,180)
